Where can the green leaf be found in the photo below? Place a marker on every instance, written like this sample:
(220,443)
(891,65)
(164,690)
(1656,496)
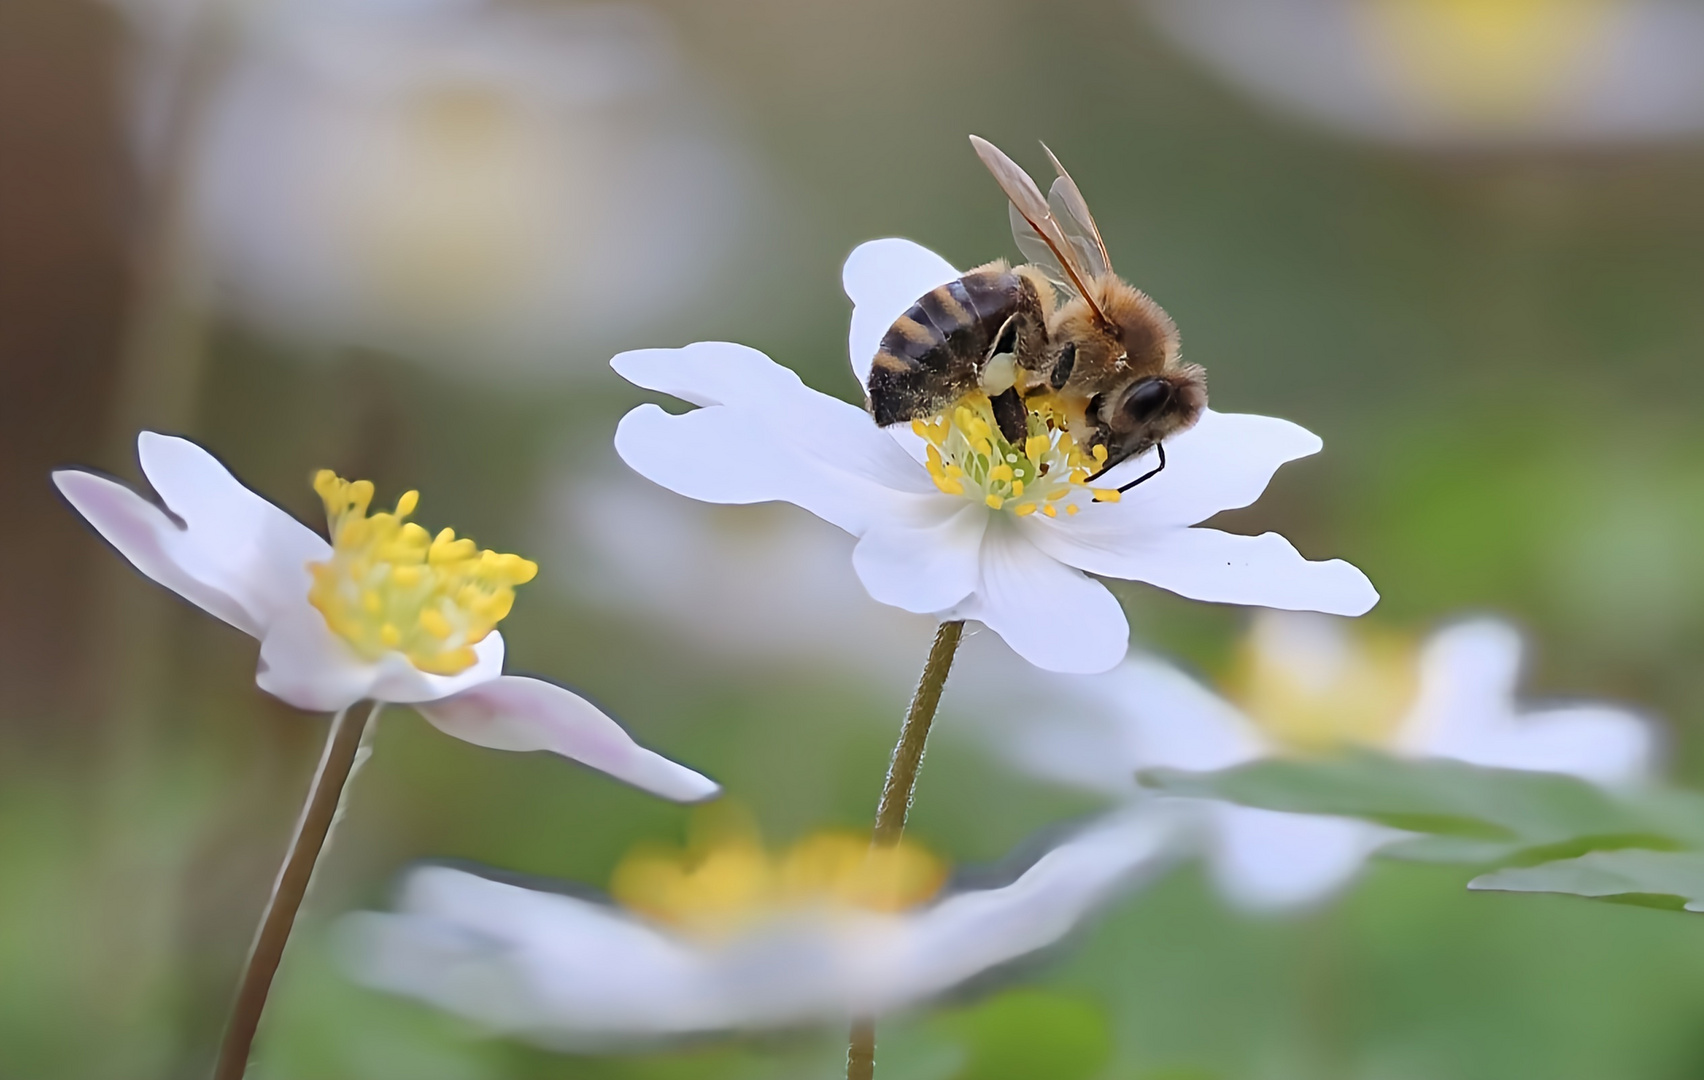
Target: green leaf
(1467,813)
(1666,879)
(1025,1034)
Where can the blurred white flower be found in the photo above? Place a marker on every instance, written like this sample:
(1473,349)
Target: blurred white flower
(733,940)
(1477,73)
(1308,686)
(750,584)
(454,176)
(929,544)
(386,611)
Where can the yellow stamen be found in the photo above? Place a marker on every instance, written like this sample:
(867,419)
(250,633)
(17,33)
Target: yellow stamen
(1107,494)
(389,586)
(1025,510)
(994,502)
(726,880)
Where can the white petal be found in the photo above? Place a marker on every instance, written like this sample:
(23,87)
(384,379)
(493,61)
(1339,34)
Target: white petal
(515,713)
(711,373)
(1468,710)
(883,279)
(559,970)
(1051,615)
(1222,463)
(927,566)
(1206,564)
(400,682)
(248,546)
(154,544)
(1096,732)
(1266,859)
(303,663)
(967,934)
(781,441)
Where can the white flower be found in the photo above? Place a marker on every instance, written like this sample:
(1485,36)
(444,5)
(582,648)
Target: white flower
(935,543)
(389,613)
(1460,72)
(1308,687)
(443,177)
(567,972)
(758,585)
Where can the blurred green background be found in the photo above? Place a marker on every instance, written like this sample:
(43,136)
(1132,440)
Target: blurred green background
(1498,344)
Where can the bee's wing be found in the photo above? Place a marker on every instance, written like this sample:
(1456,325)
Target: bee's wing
(1037,251)
(1028,204)
(1075,222)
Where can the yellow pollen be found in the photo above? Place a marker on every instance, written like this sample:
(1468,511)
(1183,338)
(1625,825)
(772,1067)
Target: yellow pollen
(1316,687)
(1107,494)
(1050,510)
(967,454)
(390,586)
(1071,511)
(725,880)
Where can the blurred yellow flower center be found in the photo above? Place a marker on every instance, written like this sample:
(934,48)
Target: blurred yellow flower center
(390,586)
(732,882)
(1487,59)
(968,456)
(1317,693)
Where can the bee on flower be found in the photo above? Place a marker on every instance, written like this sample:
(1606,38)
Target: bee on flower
(958,520)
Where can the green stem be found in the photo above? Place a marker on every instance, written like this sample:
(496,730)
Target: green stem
(342,748)
(897,793)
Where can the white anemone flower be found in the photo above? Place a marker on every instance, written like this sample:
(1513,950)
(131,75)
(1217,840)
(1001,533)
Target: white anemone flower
(945,530)
(1306,686)
(1479,74)
(386,612)
(734,942)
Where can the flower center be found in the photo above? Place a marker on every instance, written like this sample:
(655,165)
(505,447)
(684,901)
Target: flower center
(1316,690)
(390,586)
(732,882)
(968,455)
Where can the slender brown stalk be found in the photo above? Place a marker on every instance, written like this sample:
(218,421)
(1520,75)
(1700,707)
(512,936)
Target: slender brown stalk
(897,793)
(318,813)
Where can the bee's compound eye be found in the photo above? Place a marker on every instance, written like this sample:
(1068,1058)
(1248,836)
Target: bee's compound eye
(1147,399)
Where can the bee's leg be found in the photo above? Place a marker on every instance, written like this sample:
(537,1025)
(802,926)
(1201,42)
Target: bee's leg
(1011,415)
(1160,448)
(998,371)
(1061,372)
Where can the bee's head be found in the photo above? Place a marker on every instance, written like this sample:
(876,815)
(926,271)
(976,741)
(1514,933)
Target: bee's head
(1150,409)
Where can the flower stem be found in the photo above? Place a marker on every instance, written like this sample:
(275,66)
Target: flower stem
(338,761)
(897,793)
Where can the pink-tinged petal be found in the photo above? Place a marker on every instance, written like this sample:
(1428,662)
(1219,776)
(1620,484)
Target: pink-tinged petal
(811,450)
(711,373)
(246,545)
(304,664)
(516,713)
(883,279)
(1053,616)
(928,565)
(153,542)
(1206,564)
(1265,859)
(1222,463)
(1468,710)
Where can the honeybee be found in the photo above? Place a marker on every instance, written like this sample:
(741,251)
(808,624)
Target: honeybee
(1061,324)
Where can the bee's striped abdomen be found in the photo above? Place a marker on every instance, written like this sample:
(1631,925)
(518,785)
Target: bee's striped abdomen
(933,354)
